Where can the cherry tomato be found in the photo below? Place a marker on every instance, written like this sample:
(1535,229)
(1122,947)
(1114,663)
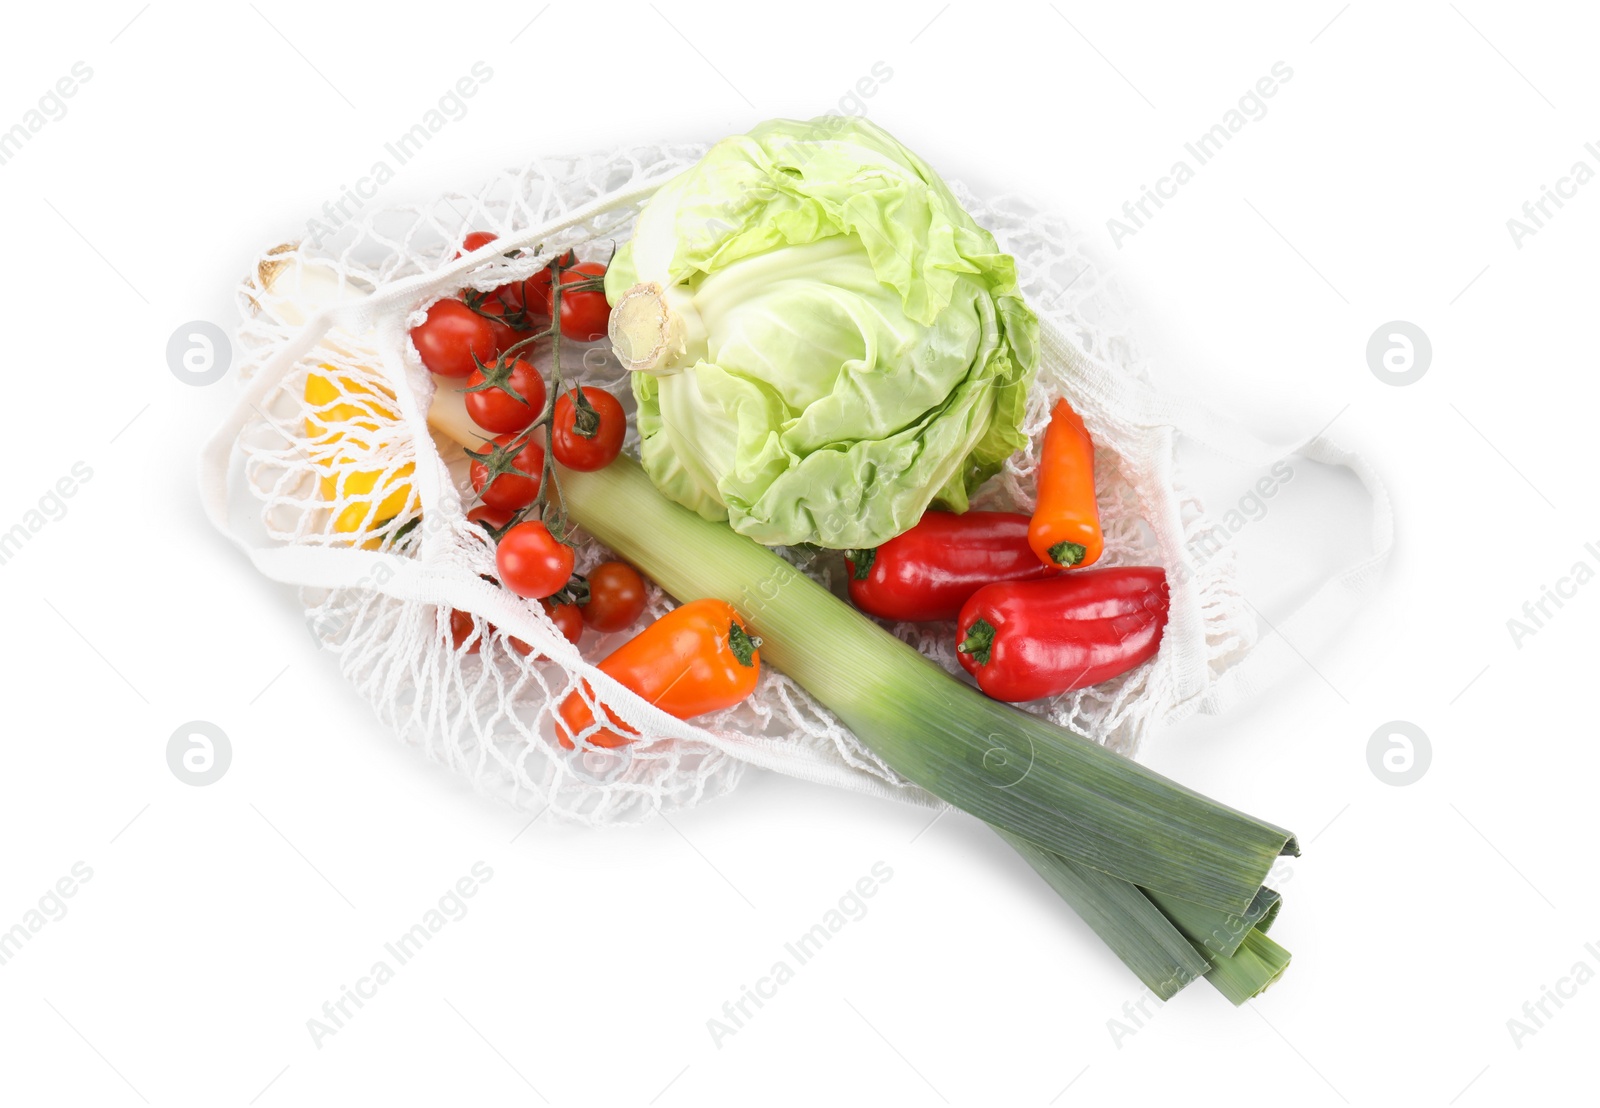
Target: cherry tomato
(532,562)
(531,297)
(505,333)
(453,334)
(534,294)
(461,629)
(616,597)
(597,450)
(509,492)
(567,619)
(476,241)
(511,295)
(494,517)
(495,409)
(584,313)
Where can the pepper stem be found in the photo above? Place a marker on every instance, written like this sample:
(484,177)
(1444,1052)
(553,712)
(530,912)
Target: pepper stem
(742,645)
(862,560)
(1068,553)
(979,642)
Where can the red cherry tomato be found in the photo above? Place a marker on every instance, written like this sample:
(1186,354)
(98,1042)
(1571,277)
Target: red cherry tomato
(532,562)
(509,492)
(531,297)
(595,451)
(512,296)
(567,620)
(477,240)
(453,334)
(534,294)
(616,597)
(584,313)
(461,629)
(494,517)
(495,409)
(497,309)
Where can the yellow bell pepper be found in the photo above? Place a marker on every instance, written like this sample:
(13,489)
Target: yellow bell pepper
(350,415)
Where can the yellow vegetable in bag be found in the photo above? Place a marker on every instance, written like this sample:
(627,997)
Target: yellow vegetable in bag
(350,415)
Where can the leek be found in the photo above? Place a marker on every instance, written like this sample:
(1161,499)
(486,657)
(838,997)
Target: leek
(1012,770)
(691,558)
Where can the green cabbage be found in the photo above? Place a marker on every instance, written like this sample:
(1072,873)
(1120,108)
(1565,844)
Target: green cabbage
(853,346)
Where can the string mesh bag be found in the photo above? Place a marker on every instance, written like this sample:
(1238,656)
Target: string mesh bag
(328,475)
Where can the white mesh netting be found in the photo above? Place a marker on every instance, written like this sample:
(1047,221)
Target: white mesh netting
(337,455)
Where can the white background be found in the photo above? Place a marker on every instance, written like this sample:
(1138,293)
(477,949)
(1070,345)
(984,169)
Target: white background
(220,919)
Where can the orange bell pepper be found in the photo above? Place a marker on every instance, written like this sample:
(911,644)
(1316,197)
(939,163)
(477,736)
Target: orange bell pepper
(693,660)
(1065,529)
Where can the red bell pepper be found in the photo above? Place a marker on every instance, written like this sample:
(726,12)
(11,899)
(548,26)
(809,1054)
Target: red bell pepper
(1026,639)
(929,571)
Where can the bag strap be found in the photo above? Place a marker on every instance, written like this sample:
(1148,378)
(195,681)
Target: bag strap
(1315,621)
(1313,624)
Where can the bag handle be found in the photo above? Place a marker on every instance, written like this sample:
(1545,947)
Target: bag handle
(1126,398)
(1314,623)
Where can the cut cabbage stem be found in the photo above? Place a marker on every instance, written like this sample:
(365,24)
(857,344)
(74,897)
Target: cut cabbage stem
(1010,769)
(646,333)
